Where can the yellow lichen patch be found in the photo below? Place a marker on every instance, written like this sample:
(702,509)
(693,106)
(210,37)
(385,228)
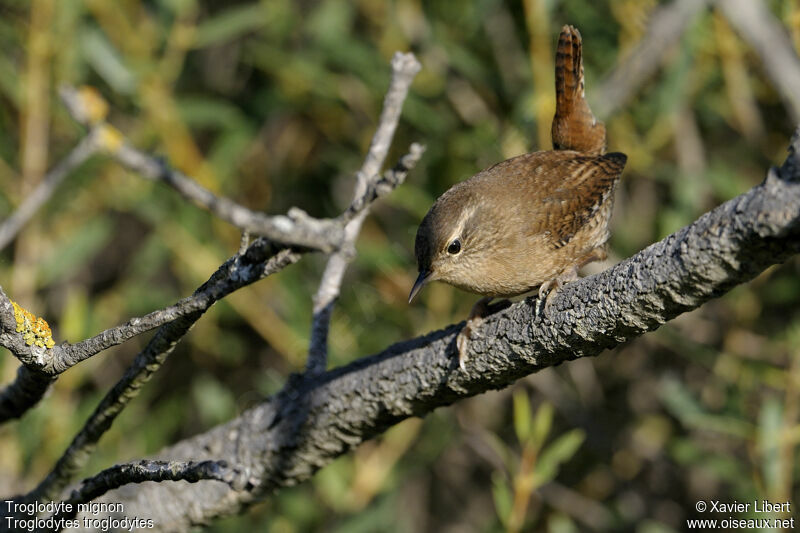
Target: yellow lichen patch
(34,329)
(109,137)
(93,105)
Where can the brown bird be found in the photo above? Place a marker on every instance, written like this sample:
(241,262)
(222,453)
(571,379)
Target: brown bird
(532,220)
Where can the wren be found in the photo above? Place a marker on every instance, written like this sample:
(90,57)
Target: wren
(532,220)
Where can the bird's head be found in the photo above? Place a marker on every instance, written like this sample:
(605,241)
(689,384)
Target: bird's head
(449,242)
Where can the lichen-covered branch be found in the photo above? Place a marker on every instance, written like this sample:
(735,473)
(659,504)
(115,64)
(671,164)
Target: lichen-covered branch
(284,440)
(42,366)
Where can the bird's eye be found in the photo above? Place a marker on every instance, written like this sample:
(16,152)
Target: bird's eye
(454,247)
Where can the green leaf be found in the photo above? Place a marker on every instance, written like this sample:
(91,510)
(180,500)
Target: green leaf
(557,453)
(679,401)
(503,499)
(522,415)
(230,24)
(542,424)
(107,62)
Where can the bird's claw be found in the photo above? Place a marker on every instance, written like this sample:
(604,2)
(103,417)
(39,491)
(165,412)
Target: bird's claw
(548,289)
(462,341)
(476,315)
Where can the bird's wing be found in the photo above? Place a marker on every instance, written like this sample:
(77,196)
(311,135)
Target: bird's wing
(577,189)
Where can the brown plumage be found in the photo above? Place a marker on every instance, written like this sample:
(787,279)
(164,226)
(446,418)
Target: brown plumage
(520,223)
(574,125)
(532,220)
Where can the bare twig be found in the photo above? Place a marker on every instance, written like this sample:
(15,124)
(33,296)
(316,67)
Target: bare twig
(404,69)
(758,26)
(385,184)
(33,201)
(296,228)
(667,24)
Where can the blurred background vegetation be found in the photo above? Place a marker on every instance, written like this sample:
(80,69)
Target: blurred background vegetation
(273,104)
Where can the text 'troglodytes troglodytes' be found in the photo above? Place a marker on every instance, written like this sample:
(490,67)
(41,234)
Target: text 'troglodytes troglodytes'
(532,220)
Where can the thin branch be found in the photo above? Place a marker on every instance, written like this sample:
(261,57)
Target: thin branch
(45,189)
(44,365)
(312,421)
(261,259)
(385,184)
(768,37)
(667,25)
(60,358)
(404,68)
(147,470)
(113,478)
(296,228)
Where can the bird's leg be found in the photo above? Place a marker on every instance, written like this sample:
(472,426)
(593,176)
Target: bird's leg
(479,311)
(569,274)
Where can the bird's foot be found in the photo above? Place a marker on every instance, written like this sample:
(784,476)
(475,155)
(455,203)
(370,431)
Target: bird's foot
(548,289)
(462,341)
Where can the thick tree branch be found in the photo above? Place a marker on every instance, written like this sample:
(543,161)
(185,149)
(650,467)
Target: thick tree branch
(284,440)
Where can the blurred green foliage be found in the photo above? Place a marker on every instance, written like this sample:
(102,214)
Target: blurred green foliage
(273,103)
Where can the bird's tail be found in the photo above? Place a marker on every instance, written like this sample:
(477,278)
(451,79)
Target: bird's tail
(574,125)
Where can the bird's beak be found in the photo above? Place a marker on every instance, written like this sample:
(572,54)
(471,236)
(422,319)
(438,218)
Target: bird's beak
(422,279)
